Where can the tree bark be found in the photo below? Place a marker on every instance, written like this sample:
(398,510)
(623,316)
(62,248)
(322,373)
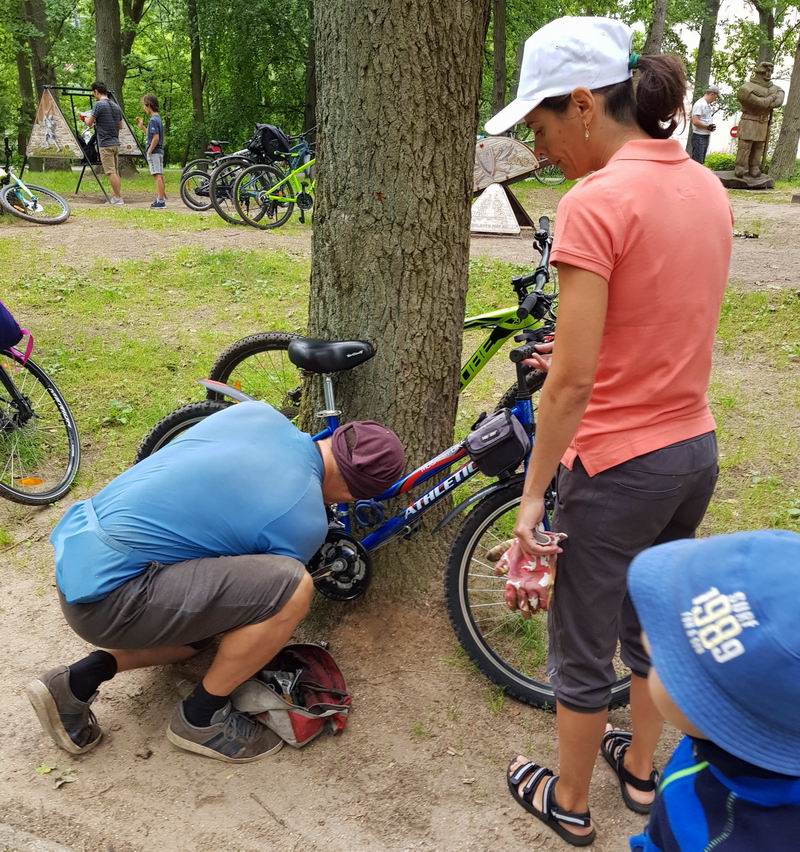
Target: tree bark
(499,49)
(198,114)
(44,73)
(766,23)
(398,96)
(705,52)
(108,51)
(655,35)
(783,161)
(310,108)
(27,109)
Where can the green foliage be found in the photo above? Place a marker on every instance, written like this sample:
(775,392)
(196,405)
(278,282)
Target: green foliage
(719,162)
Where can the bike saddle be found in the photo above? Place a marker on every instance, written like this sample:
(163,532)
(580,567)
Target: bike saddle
(328,356)
(218,142)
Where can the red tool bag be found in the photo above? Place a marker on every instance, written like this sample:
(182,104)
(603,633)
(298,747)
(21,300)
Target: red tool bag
(299,694)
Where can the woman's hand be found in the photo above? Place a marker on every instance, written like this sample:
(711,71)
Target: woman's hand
(542,359)
(529,516)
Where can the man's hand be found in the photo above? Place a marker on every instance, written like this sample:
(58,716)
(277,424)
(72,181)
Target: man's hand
(139,122)
(541,360)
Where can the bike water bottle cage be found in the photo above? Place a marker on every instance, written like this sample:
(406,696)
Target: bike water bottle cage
(328,356)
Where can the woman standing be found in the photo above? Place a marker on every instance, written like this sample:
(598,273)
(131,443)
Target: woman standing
(642,247)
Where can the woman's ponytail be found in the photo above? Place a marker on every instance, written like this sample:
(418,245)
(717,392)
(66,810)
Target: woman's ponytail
(659,89)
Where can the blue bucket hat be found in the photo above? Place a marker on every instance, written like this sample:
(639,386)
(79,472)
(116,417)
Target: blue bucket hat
(721,618)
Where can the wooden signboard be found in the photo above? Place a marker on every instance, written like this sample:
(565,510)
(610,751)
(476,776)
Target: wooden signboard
(51,135)
(492,213)
(499,159)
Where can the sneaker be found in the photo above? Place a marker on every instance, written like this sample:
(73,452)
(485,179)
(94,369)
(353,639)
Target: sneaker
(158,204)
(70,722)
(115,200)
(232,736)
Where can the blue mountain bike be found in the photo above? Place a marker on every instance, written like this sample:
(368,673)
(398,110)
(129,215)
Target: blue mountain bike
(509,650)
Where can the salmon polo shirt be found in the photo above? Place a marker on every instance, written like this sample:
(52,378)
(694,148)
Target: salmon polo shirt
(658,227)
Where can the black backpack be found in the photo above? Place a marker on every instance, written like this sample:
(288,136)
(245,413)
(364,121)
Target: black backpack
(269,141)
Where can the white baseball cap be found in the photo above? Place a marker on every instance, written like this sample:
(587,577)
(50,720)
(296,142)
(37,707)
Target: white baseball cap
(563,55)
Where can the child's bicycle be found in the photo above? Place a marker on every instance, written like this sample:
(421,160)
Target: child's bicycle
(258,364)
(26,201)
(40,451)
(265,195)
(508,649)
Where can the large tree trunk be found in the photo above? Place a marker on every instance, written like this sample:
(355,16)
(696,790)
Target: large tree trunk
(108,50)
(705,52)
(310,108)
(398,95)
(783,161)
(655,35)
(499,49)
(198,115)
(132,11)
(44,73)
(766,24)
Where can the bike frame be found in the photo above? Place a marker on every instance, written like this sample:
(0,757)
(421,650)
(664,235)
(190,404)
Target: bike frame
(7,177)
(504,324)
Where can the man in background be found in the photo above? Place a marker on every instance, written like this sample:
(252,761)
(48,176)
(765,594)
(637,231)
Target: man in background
(703,123)
(106,118)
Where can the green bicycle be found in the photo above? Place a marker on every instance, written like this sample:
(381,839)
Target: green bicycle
(259,366)
(28,202)
(265,196)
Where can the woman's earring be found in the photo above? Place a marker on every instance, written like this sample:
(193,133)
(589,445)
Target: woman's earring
(586,132)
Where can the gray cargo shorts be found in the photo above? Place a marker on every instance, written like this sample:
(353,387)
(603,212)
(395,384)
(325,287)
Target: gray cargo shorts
(187,602)
(610,518)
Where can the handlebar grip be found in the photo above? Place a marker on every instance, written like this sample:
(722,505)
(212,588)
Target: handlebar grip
(526,307)
(544,224)
(522,352)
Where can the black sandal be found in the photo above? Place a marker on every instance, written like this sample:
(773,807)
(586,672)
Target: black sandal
(613,747)
(551,814)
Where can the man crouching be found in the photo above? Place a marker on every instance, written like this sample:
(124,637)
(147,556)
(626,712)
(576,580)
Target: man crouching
(208,536)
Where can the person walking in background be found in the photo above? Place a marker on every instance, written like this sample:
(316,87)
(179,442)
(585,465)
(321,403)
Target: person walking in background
(155,148)
(703,124)
(106,118)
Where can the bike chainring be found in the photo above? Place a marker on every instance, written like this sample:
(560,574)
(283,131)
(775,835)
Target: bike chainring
(341,568)
(305,201)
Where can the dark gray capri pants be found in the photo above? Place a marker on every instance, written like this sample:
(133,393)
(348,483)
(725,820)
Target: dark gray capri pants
(187,602)
(609,518)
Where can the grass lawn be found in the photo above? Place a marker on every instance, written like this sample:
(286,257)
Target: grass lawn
(127,341)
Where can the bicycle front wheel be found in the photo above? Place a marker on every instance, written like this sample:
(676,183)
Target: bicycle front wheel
(41,206)
(195,190)
(221,187)
(40,451)
(508,649)
(259,366)
(257,203)
(176,423)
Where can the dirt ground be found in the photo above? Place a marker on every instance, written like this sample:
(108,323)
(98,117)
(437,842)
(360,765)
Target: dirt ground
(421,765)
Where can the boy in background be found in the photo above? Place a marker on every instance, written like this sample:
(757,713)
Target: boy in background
(720,619)
(155,148)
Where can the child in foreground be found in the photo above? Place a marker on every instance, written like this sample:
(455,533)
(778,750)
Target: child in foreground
(720,618)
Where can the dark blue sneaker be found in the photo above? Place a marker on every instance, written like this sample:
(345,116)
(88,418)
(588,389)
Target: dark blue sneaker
(158,205)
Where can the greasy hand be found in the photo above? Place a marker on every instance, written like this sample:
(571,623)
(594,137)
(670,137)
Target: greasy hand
(529,581)
(541,360)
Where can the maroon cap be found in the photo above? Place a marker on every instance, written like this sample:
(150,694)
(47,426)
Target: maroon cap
(370,457)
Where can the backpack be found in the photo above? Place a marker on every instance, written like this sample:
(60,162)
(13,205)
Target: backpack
(299,694)
(10,332)
(269,141)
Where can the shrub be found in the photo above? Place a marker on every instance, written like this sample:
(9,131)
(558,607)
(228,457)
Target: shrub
(720,162)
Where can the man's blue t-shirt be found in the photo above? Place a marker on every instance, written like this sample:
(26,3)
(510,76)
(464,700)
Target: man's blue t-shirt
(244,480)
(154,126)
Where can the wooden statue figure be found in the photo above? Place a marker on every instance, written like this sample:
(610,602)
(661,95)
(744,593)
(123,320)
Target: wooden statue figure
(758,97)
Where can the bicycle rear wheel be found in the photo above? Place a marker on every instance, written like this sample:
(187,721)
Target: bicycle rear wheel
(256,202)
(202,164)
(259,366)
(509,650)
(549,175)
(195,190)
(176,423)
(40,451)
(44,207)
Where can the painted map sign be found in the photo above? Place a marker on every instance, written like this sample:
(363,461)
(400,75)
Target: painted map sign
(128,146)
(51,135)
(499,159)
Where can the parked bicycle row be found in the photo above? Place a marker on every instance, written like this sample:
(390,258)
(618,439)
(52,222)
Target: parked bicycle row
(259,185)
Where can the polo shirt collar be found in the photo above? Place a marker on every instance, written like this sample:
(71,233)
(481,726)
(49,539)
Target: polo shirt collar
(659,150)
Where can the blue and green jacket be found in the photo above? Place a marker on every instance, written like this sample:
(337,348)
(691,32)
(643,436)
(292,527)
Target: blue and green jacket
(710,800)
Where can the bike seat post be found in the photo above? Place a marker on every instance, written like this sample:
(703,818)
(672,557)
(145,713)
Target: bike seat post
(331,412)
